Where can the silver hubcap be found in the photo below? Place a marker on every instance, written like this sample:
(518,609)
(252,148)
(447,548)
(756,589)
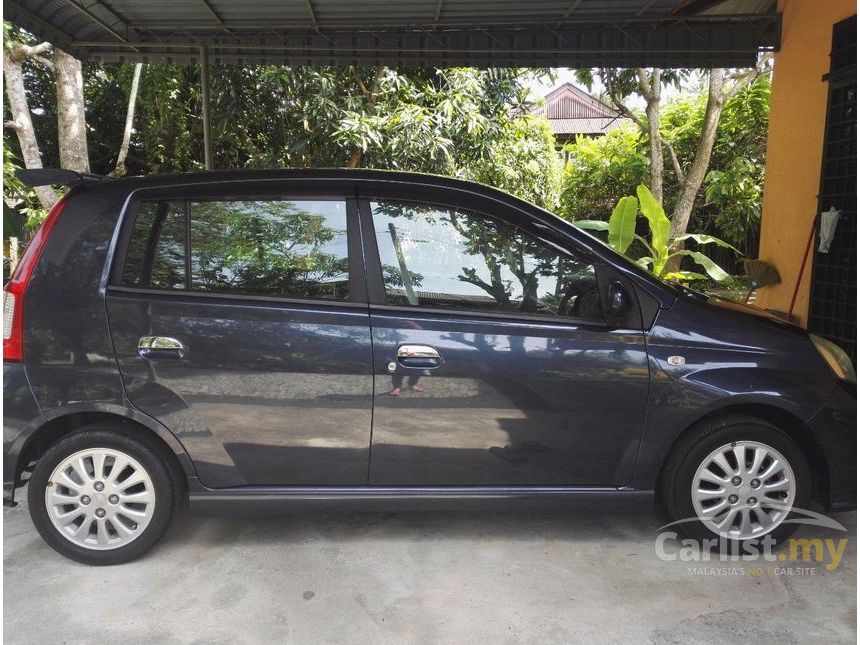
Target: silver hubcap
(743,490)
(100,498)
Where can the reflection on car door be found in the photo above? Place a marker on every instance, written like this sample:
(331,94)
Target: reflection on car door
(257,349)
(493,362)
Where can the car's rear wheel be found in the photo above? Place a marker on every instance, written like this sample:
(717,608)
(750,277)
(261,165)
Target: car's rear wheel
(736,478)
(101,497)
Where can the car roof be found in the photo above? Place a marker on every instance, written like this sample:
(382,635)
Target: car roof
(335,174)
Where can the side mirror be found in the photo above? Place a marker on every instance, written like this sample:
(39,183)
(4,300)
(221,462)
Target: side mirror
(617,300)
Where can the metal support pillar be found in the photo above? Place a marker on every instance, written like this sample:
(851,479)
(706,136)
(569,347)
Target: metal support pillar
(204,92)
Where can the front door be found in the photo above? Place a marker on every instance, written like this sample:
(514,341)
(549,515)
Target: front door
(493,361)
(239,324)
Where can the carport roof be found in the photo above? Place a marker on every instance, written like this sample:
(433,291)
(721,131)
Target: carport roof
(484,33)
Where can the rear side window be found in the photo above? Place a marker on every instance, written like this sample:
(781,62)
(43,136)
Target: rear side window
(289,248)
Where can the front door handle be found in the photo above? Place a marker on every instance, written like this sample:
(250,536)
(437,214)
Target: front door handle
(159,347)
(418,356)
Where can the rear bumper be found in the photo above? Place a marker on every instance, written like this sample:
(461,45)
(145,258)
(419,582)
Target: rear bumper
(20,411)
(835,426)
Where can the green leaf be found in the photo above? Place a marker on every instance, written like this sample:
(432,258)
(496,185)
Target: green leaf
(700,238)
(622,224)
(685,276)
(710,267)
(591,225)
(657,220)
(645,244)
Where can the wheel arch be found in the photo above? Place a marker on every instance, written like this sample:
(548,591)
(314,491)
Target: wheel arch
(784,420)
(53,428)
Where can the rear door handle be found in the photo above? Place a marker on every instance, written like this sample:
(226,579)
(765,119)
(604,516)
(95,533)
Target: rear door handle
(418,356)
(159,347)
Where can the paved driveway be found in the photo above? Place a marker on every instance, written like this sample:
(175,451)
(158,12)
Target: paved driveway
(417,578)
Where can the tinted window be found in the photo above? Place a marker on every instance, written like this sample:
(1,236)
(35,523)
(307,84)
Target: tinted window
(156,250)
(285,248)
(295,249)
(449,258)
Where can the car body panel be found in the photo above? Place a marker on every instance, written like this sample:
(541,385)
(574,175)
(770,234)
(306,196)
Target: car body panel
(512,403)
(265,394)
(254,501)
(730,359)
(67,347)
(835,428)
(20,413)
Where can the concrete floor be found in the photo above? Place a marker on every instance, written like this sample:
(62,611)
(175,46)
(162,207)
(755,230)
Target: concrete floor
(415,578)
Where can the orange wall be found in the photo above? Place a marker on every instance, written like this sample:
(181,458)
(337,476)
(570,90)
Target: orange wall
(795,143)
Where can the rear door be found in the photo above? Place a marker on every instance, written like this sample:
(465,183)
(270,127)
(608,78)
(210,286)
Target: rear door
(494,362)
(239,320)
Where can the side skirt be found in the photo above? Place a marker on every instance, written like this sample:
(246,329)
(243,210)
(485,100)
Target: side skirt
(272,500)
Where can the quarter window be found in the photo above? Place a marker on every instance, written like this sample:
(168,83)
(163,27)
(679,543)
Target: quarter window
(156,251)
(453,259)
(295,249)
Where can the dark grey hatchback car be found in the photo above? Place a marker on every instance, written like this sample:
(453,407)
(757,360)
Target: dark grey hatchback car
(261,341)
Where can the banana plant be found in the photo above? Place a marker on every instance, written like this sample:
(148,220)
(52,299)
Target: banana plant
(661,247)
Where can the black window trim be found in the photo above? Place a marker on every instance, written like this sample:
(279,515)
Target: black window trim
(355,260)
(239,297)
(376,286)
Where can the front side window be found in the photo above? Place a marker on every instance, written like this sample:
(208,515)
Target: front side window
(441,257)
(294,249)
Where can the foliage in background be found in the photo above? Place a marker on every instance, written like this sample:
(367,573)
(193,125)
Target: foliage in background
(613,165)
(523,162)
(19,202)
(601,169)
(660,247)
(736,194)
(739,151)
(460,121)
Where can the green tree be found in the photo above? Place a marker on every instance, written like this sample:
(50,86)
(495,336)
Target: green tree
(730,202)
(600,169)
(523,162)
(722,86)
(462,122)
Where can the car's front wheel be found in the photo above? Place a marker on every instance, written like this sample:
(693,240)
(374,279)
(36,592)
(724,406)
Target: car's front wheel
(736,478)
(101,497)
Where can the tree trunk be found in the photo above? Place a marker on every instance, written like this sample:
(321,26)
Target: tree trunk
(23,124)
(655,144)
(71,118)
(696,173)
(120,170)
(650,88)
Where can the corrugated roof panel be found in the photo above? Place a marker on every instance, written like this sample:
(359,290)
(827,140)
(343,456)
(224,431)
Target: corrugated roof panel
(555,33)
(570,102)
(571,127)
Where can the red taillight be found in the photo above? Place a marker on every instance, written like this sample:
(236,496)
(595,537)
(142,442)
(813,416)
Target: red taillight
(13,294)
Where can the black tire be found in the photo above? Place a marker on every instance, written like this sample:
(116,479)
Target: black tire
(704,438)
(146,452)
